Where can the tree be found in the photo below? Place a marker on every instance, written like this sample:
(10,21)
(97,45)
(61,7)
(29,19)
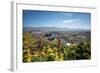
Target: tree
(28,45)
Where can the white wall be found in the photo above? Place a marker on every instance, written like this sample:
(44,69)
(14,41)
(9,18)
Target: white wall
(5,36)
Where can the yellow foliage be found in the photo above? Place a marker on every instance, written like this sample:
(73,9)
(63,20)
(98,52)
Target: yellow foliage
(49,50)
(42,53)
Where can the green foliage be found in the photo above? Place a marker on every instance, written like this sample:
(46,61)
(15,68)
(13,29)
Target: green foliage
(78,52)
(70,53)
(28,41)
(41,49)
(28,44)
(83,51)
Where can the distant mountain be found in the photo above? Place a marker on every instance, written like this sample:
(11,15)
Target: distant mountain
(51,29)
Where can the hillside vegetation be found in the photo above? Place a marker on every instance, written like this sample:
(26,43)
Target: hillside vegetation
(38,48)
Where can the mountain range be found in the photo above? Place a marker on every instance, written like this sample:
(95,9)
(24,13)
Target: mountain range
(52,29)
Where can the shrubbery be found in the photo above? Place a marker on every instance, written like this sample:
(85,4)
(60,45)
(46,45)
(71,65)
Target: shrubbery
(41,49)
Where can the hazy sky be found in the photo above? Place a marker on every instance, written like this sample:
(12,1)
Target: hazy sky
(33,18)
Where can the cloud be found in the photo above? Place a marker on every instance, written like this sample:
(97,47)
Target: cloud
(70,21)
